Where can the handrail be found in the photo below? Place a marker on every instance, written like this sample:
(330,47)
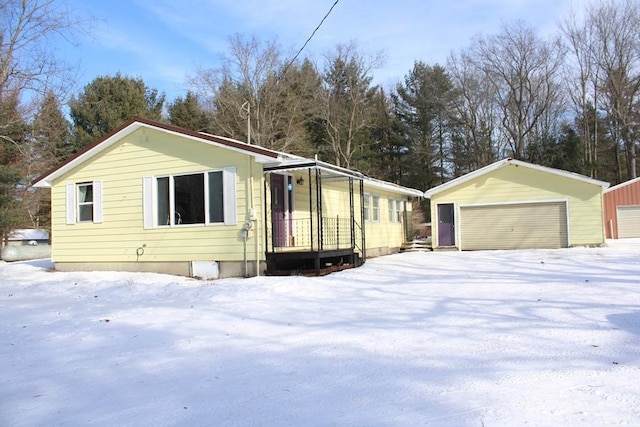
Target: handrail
(299,233)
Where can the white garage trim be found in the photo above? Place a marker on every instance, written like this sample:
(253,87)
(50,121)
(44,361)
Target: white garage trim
(628,221)
(514,225)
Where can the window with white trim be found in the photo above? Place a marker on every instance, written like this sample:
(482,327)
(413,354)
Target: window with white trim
(189,199)
(375,208)
(392,210)
(84,202)
(371,208)
(367,207)
(399,210)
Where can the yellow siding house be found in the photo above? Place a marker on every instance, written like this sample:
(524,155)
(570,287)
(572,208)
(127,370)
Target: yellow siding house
(155,197)
(511,204)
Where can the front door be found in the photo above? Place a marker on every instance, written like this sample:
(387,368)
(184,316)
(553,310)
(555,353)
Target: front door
(278,210)
(446,229)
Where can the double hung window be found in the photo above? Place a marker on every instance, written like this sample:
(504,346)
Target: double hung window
(392,210)
(375,208)
(84,202)
(371,208)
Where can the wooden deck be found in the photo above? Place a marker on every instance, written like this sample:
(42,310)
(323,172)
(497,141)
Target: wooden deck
(311,263)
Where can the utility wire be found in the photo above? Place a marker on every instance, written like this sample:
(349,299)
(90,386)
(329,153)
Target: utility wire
(284,72)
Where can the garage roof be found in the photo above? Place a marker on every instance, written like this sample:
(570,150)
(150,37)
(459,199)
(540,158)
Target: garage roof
(506,162)
(624,184)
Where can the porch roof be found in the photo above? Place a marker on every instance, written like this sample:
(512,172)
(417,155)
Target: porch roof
(294,163)
(300,163)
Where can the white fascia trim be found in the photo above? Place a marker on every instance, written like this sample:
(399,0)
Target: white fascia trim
(566,174)
(504,162)
(393,188)
(623,184)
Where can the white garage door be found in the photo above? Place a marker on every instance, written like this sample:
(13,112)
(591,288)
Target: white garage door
(514,226)
(628,221)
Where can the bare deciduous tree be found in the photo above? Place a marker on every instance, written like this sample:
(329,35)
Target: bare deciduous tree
(27,30)
(474,111)
(252,97)
(582,75)
(522,70)
(616,49)
(345,105)
(29,69)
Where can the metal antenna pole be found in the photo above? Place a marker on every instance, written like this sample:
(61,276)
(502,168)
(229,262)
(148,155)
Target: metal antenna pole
(247,107)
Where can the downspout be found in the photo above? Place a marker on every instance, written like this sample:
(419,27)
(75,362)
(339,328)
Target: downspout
(266,219)
(252,210)
(254,218)
(610,229)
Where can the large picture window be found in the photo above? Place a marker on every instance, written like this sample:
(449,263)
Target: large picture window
(196,198)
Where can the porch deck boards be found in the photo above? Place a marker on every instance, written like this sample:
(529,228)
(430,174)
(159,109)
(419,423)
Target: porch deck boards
(309,262)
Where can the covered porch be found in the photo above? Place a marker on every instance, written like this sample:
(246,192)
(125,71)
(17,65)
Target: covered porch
(314,218)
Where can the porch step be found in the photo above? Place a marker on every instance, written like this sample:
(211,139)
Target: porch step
(417,246)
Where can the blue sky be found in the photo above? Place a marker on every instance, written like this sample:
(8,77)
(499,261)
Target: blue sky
(163,41)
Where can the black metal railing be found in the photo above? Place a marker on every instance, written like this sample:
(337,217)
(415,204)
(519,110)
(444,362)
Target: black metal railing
(304,234)
(336,233)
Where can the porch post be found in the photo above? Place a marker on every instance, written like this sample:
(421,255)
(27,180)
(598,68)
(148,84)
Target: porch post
(364,242)
(319,208)
(267,203)
(352,217)
(310,210)
(266,214)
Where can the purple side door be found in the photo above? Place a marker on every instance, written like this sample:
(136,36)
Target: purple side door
(446,230)
(278,211)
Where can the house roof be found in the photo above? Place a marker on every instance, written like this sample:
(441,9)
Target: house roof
(262,155)
(624,184)
(273,160)
(506,162)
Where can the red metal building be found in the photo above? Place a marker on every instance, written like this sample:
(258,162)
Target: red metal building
(622,210)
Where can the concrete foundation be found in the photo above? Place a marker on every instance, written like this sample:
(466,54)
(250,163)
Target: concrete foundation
(227,269)
(376,252)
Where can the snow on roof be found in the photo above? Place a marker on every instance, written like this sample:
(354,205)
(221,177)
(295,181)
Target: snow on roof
(29,234)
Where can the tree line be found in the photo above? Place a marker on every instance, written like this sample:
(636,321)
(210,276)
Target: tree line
(571,101)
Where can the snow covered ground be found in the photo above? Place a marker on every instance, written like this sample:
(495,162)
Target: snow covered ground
(496,338)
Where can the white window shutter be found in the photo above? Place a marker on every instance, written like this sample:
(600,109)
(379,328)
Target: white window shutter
(147,202)
(97,202)
(229,196)
(71,203)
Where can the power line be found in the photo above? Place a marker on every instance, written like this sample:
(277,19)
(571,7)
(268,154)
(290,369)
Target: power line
(284,72)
